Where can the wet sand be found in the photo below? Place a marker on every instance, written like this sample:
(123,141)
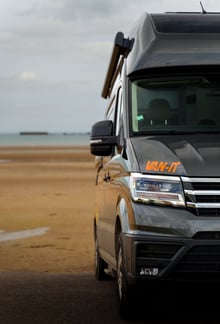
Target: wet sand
(46,209)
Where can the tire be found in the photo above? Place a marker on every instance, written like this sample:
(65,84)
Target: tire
(100,264)
(124,290)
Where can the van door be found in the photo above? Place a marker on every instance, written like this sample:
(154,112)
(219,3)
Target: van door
(111,171)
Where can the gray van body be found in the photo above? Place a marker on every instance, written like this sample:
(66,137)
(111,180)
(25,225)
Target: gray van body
(158,185)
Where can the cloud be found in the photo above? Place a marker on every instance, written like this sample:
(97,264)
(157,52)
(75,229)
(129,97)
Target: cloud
(85,9)
(96,48)
(19,80)
(28,76)
(73,9)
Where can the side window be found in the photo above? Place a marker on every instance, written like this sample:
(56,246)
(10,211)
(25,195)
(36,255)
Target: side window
(118,121)
(114,113)
(111,111)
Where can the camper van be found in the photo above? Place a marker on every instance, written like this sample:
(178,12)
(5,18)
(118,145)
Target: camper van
(157,154)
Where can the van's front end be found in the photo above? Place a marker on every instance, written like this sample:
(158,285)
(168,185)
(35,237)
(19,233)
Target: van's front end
(174,119)
(158,186)
(175,188)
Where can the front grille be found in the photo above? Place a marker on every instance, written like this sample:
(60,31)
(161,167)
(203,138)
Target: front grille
(157,251)
(201,261)
(202,195)
(155,254)
(208,199)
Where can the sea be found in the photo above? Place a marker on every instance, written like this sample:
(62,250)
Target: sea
(50,139)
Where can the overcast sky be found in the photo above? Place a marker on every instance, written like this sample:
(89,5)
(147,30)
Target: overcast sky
(54,55)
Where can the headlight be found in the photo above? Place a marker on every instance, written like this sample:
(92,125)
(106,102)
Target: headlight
(157,189)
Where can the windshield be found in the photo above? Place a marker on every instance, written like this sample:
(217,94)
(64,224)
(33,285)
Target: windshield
(183,104)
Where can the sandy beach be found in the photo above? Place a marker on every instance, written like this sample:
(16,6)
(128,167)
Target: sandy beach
(46,209)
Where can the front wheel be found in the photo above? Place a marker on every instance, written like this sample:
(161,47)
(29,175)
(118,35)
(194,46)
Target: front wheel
(123,289)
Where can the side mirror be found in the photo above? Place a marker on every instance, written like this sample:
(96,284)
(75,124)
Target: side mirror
(102,139)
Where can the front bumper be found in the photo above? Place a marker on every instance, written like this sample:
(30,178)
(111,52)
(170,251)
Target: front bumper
(171,258)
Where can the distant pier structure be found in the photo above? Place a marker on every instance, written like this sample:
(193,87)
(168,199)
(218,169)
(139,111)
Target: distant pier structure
(33,133)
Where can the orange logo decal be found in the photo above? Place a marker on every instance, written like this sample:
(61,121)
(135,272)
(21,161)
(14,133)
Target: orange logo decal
(162,166)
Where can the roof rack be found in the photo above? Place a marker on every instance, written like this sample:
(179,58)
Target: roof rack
(122,47)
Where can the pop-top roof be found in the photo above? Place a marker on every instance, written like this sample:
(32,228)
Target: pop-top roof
(167,40)
(174,39)
(186,23)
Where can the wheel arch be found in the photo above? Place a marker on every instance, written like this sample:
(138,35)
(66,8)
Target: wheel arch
(118,230)
(122,222)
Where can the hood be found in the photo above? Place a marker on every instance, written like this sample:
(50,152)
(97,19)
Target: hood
(187,155)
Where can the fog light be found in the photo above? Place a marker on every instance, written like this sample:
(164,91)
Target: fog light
(149,271)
